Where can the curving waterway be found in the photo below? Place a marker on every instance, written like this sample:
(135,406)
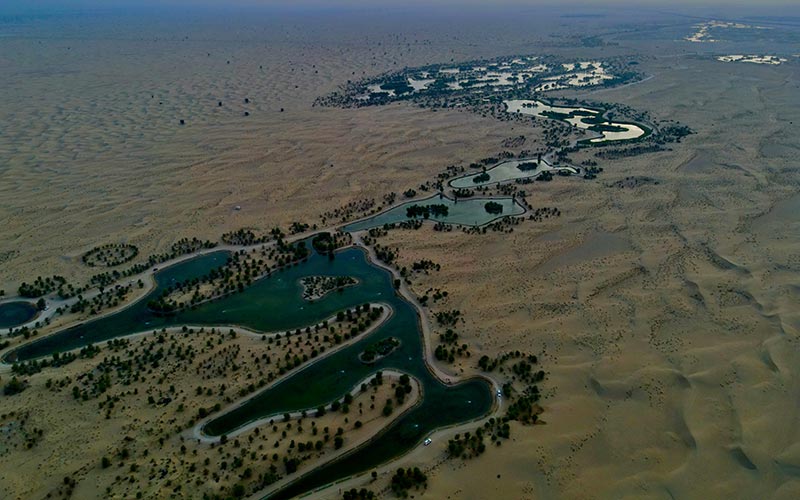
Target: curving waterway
(275,303)
(464,212)
(583,118)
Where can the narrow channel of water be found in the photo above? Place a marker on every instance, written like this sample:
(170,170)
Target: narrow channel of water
(465,212)
(276,304)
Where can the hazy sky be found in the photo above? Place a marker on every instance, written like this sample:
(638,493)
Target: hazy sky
(717,8)
(66,4)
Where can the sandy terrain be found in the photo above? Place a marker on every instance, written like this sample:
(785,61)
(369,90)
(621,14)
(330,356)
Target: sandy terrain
(667,319)
(76,438)
(666,314)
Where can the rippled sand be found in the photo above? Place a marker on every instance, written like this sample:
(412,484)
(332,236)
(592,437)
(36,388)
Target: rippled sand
(667,314)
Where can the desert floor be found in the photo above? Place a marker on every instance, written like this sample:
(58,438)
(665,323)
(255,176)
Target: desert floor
(666,314)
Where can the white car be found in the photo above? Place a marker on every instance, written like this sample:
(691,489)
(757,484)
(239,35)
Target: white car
(427,441)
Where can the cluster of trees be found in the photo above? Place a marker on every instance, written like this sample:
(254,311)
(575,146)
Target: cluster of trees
(523,407)
(447,318)
(398,84)
(426,211)
(617,153)
(326,243)
(350,211)
(436,293)
(315,287)
(482,177)
(110,255)
(385,254)
(241,270)
(404,480)
(299,227)
(470,445)
(674,132)
(183,246)
(591,172)
(14,386)
(111,297)
(245,237)
(41,286)
(379,349)
(542,213)
(448,348)
(20,430)
(362,494)
(57,359)
(402,388)
(425,265)
(493,207)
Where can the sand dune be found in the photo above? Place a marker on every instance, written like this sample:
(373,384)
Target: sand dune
(666,314)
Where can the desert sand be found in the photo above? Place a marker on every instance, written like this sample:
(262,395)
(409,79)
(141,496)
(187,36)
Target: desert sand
(665,314)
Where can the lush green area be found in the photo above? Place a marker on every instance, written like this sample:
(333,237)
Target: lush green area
(110,255)
(493,208)
(398,85)
(325,243)
(426,211)
(482,177)
(275,304)
(379,349)
(404,480)
(556,115)
(605,127)
(528,165)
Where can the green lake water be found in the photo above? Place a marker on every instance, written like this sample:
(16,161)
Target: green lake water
(16,313)
(275,304)
(465,212)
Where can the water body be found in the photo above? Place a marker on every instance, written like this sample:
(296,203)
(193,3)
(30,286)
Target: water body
(465,212)
(575,117)
(276,304)
(133,319)
(16,313)
(503,172)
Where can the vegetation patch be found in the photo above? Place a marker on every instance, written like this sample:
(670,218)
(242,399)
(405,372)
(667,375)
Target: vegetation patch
(110,255)
(605,127)
(316,287)
(522,393)
(241,270)
(426,211)
(482,177)
(405,480)
(528,166)
(493,207)
(326,243)
(379,350)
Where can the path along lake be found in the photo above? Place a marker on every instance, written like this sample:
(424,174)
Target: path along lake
(275,303)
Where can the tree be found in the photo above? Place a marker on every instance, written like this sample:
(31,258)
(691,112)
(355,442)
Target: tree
(238,490)
(14,386)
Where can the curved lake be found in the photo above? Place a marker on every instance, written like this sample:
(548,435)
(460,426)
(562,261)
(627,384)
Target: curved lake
(464,212)
(275,303)
(583,118)
(503,172)
(16,313)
